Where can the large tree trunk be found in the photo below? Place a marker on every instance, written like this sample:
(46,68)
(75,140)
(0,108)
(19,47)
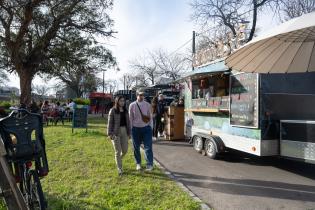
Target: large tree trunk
(26,79)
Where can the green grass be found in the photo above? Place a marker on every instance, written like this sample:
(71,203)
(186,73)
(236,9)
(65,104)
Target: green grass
(83,175)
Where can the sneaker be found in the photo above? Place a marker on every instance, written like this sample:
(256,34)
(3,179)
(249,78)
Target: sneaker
(138,167)
(120,172)
(149,168)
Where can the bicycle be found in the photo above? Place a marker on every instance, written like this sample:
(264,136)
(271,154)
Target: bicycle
(30,187)
(16,131)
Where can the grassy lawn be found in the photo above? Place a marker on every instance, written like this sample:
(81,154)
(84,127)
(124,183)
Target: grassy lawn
(83,175)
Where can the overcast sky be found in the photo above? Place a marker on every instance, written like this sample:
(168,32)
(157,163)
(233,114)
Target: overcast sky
(148,24)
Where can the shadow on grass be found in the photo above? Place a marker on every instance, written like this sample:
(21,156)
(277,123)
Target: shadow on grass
(55,202)
(89,133)
(103,127)
(143,174)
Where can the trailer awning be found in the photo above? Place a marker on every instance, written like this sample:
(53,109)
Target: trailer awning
(217,66)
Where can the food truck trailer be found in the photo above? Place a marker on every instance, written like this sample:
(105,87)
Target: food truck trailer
(260,114)
(100,102)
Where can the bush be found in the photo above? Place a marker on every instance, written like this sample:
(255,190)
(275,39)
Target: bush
(82,101)
(5,104)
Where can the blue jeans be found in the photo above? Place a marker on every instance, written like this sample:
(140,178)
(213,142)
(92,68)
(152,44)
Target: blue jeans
(142,135)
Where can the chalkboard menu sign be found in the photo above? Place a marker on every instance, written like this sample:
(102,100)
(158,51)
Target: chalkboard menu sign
(79,119)
(244,100)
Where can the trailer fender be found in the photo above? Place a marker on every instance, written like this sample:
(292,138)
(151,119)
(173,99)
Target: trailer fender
(220,147)
(219,144)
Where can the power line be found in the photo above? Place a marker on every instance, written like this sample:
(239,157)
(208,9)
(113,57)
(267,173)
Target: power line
(187,42)
(207,30)
(183,45)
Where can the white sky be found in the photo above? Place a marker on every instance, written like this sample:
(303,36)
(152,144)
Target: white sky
(148,24)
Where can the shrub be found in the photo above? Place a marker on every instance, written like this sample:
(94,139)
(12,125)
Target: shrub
(5,104)
(82,101)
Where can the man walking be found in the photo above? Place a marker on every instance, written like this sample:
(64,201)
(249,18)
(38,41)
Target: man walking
(141,129)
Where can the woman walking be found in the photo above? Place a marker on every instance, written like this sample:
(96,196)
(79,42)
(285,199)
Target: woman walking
(118,130)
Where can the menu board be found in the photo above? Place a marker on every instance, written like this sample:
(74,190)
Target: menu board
(244,100)
(80,118)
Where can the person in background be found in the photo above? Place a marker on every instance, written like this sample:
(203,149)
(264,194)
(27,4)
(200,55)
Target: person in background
(127,103)
(154,103)
(118,130)
(71,106)
(33,108)
(181,102)
(59,113)
(40,104)
(141,129)
(160,114)
(97,106)
(174,102)
(45,111)
(45,107)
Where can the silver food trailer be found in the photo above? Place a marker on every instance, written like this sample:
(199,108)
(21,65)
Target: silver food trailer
(260,114)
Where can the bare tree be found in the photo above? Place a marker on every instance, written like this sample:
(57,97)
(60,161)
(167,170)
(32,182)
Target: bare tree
(171,65)
(158,63)
(80,81)
(140,80)
(3,77)
(59,90)
(112,85)
(294,8)
(147,66)
(41,90)
(128,80)
(228,13)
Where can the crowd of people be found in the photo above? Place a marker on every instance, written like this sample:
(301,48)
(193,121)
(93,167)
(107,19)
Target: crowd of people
(51,111)
(142,122)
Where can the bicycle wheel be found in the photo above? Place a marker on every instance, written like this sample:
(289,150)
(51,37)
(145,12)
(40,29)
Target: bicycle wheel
(37,199)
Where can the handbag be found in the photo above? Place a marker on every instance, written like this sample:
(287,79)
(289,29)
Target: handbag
(145,118)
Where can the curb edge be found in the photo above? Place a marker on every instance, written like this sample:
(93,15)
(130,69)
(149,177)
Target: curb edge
(203,205)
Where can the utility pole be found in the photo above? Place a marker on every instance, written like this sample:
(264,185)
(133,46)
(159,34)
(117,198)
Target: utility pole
(103,103)
(193,48)
(103,81)
(124,82)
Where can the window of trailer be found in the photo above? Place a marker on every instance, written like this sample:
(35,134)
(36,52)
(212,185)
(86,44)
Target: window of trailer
(210,92)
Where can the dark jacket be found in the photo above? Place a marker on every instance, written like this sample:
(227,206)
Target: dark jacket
(114,122)
(161,107)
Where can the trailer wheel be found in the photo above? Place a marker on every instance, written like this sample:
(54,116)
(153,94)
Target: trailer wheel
(198,143)
(211,148)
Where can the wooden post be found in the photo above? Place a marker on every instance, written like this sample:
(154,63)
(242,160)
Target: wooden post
(9,190)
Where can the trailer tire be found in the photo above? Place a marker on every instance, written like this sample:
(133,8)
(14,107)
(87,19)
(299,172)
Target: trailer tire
(198,143)
(211,148)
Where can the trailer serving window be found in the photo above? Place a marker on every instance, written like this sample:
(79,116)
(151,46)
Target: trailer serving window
(210,93)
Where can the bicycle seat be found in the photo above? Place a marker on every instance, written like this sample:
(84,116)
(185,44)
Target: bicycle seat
(16,131)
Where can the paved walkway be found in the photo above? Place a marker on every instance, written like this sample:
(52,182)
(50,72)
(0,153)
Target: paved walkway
(240,181)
